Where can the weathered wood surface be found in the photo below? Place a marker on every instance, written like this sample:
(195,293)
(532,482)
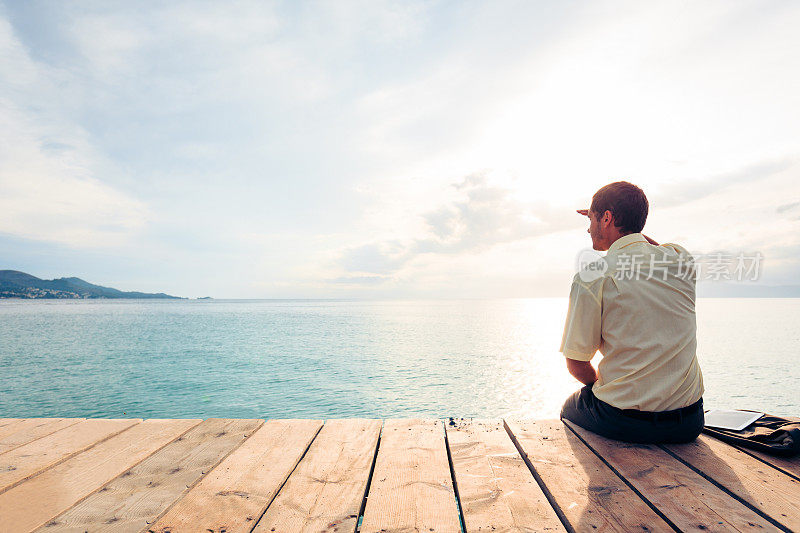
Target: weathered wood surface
(31,430)
(12,426)
(787,465)
(495,487)
(233,496)
(326,491)
(25,461)
(582,487)
(37,500)
(136,498)
(412,489)
(71,475)
(761,486)
(685,498)
(6,422)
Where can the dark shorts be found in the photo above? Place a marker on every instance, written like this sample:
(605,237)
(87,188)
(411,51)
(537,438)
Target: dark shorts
(681,425)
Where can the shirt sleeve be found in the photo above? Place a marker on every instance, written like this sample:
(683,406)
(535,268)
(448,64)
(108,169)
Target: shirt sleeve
(582,331)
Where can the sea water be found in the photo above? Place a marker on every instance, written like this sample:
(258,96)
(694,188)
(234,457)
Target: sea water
(328,359)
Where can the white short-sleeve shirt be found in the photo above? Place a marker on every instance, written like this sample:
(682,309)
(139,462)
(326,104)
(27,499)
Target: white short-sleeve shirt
(640,314)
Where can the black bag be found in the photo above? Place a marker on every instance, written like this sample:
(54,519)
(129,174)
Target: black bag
(769,434)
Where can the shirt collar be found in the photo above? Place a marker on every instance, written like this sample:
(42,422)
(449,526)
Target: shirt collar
(625,240)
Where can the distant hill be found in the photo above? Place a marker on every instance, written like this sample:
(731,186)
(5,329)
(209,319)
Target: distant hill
(15,284)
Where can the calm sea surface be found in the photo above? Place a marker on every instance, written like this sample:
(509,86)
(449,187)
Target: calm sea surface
(304,359)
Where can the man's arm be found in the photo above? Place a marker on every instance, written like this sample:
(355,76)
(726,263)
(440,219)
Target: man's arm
(583,371)
(583,329)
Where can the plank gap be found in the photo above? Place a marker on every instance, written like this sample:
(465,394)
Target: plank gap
(453,476)
(369,482)
(539,480)
(628,483)
(7,444)
(308,447)
(71,451)
(60,488)
(724,489)
(765,461)
(199,444)
(412,489)
(202,476)
(131,467)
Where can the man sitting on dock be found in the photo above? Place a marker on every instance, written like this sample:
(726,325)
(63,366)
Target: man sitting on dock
(636,306)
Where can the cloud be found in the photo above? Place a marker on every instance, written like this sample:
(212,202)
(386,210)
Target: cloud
(692,190)
(787,207)
(378,258)
(482,218)
(487,216)
(752,213)
(333,129)
(50,186)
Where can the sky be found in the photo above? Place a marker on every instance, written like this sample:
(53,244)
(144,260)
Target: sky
(371,149)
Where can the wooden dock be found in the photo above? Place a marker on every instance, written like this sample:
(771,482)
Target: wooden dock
(233,475)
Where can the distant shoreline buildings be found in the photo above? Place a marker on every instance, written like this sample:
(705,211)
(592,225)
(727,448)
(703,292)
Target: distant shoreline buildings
(16,284)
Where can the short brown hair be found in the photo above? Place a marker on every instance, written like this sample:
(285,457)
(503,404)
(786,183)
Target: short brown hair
(627,204)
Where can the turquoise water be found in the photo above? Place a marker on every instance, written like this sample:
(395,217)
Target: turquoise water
(304,359)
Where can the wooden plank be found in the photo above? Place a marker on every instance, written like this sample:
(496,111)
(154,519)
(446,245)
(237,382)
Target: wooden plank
(788,465)
(326,490)
(233,496)
(34,502)
(411,486)
(26,461)
(131,502)
(33,429)
(10,426)
(768,490)
(685,498)
(587,493)
(495,487)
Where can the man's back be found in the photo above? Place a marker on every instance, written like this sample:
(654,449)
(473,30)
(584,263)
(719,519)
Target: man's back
(640,314)
(648,328)
(636,306)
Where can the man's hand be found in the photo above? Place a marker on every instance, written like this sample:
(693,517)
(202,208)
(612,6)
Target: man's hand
(584,212)
(583,371)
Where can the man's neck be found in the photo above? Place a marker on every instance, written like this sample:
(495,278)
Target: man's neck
(614,238)
(637,237)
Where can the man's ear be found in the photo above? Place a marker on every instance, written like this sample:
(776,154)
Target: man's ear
(608,218)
